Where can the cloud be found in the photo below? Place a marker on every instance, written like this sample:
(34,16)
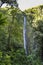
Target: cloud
(25,4)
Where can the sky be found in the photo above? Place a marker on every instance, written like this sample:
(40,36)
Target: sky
(26,4)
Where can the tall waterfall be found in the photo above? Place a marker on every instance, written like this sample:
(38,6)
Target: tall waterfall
(25,35)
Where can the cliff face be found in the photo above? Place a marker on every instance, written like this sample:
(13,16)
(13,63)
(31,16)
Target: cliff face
(35,29)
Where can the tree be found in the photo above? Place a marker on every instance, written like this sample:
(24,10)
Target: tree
(2,19)
(10,2)
(40,36)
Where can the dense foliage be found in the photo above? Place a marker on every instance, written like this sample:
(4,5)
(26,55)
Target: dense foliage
(11,36)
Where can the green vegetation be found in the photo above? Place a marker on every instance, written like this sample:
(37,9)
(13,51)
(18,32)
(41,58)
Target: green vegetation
(11,36)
